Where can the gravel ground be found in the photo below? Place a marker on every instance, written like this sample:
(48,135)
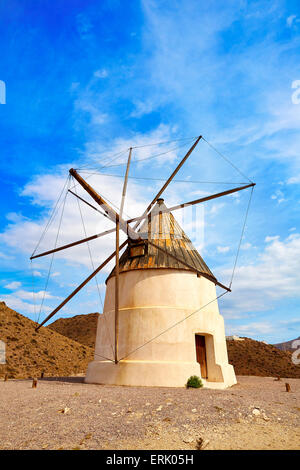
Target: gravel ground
(64,413)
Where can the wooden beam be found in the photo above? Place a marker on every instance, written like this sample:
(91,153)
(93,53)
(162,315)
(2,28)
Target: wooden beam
(69,245)
(125,183)
(196,201)
(112,214)
(170,178)
(117,294)
(208,198)
(81,286)
(211,278)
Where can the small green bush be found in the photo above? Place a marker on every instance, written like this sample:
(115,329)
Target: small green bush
(194,382)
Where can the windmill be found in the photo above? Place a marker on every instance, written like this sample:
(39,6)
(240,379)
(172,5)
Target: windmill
(160,322)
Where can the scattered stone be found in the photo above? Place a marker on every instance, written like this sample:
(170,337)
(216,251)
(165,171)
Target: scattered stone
(287,387)
(194,410)
(201,443)
(159,408)
(64,410)
(188,440)
(256,412)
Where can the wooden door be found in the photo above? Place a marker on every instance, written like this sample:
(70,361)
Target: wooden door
(201,355)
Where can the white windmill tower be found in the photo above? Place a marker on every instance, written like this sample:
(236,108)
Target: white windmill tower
(161,308)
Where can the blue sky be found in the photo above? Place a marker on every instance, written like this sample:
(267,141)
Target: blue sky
(87,79)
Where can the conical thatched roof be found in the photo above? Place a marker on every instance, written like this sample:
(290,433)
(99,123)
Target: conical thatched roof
(163,230)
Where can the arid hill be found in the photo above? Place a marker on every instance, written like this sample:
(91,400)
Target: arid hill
(28,352)
(250,357)
(81,328)
(287,346)
(66,347)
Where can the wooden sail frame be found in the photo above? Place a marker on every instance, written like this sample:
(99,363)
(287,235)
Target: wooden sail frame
(120,223)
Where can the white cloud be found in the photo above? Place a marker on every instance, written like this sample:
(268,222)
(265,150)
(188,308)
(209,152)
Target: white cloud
(22,234)
(254,329)
(101,73)
(37,274)
(86,105)
(26,295)
(278,196)
(6,257)
(13,285)
(223,249)
(20,306)
(142,108)
(96,152)
(246,246)
(274,276)
(271,239)
(290,20)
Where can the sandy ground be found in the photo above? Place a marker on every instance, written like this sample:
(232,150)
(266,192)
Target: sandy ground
(65,413)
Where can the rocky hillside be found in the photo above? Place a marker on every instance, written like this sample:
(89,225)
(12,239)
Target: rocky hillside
(287,346)
(28,352)
(81,328)
(250,357)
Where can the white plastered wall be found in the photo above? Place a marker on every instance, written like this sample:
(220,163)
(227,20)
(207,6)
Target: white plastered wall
(151,302)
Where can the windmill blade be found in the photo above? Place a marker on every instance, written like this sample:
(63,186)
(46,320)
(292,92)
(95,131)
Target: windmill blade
(208,198)
(170,178)
(81,286)
(112,214)
(196,201)
(211,278)
(69,245)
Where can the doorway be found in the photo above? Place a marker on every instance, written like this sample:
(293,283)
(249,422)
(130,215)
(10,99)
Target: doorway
(201,354)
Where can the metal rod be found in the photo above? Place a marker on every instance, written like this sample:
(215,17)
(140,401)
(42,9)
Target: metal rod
(112,214)
(92,237)
(170,178)
(117,294)
(211,278)
(81,285)
(125,182)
